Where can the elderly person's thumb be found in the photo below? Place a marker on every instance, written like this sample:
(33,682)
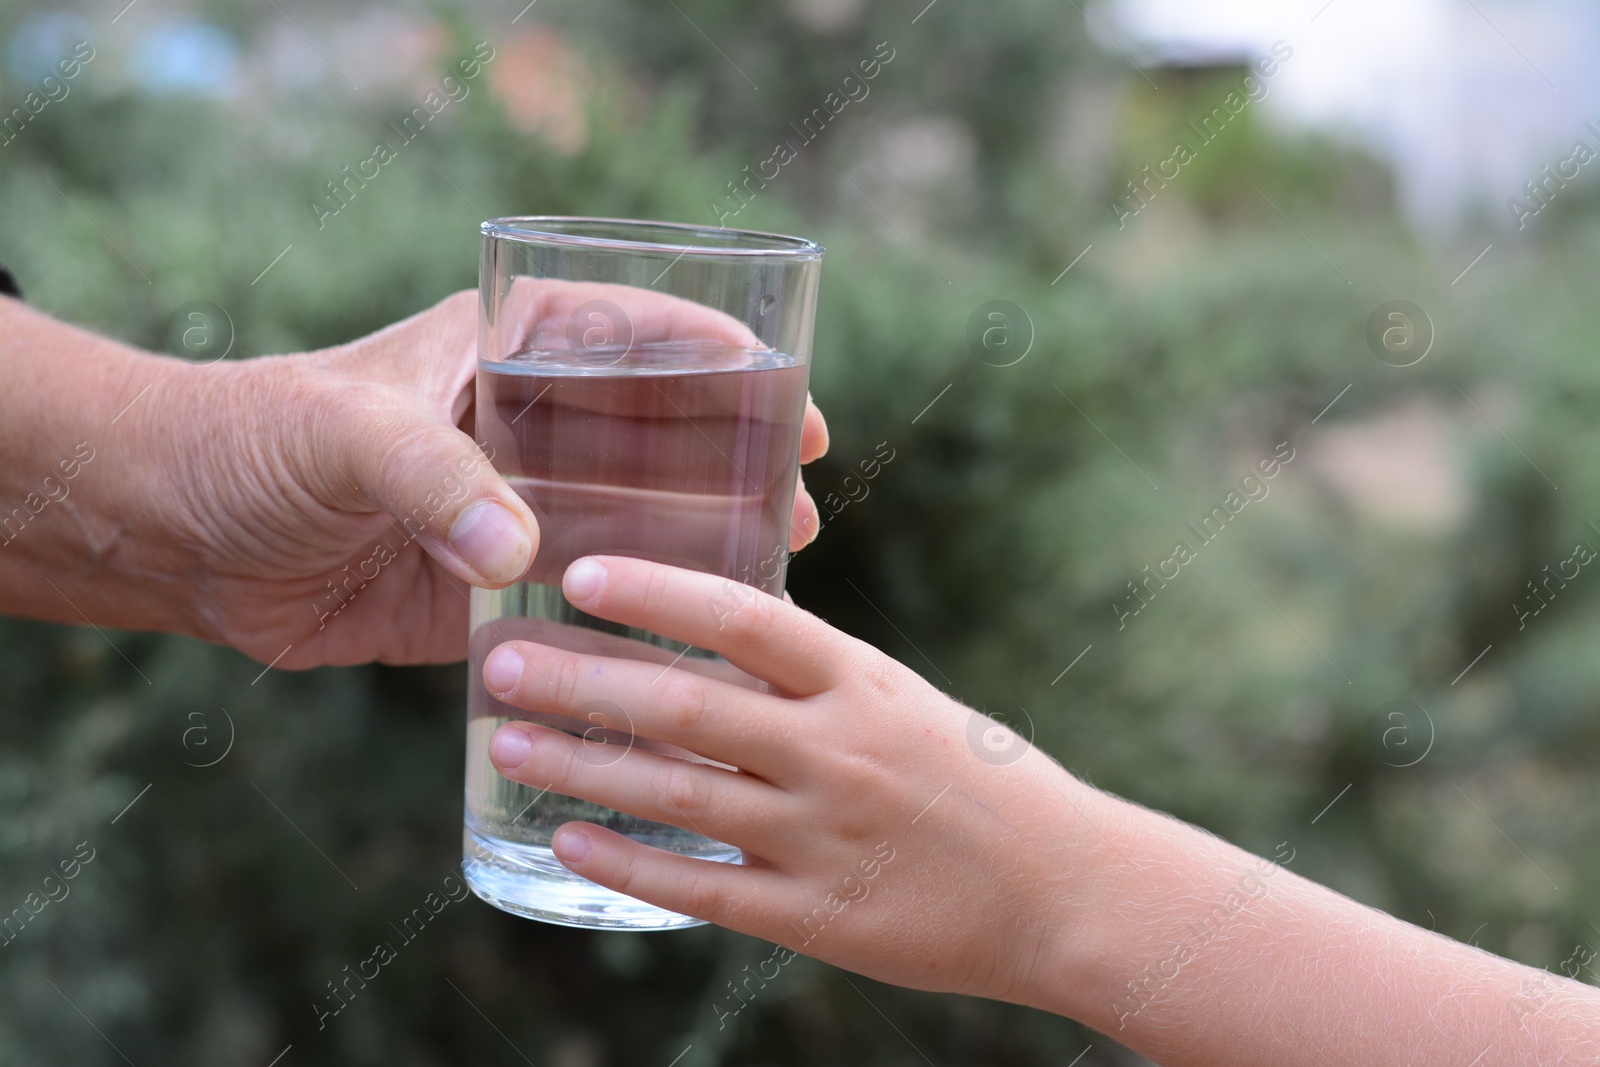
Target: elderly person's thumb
(443,491)
(389,433)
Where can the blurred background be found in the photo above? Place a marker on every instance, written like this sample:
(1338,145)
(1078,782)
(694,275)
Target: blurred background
(1088,266)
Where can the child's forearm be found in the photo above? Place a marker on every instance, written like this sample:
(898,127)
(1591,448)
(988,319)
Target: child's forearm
(1012,880)
(1214,956)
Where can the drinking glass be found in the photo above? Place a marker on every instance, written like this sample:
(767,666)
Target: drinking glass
(641,385)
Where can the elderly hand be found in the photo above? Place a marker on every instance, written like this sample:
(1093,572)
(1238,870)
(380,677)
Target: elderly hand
(370,470)
(323,508)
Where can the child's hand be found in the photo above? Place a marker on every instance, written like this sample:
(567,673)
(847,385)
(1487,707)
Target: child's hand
(891,831)
(885,828)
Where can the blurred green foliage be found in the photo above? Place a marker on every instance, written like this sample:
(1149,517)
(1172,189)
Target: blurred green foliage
(1176,353)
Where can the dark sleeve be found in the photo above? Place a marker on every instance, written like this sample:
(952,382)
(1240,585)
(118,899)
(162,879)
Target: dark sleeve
(8,284)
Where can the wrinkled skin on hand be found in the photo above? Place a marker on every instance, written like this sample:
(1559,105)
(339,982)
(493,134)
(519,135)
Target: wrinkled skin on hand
(325,492)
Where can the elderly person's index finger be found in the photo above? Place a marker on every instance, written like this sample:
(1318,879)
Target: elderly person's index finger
(813,433)
(542,311)
(757,633)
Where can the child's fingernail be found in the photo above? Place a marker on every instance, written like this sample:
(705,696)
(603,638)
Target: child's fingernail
(570,846)
(502,670)
(509,747)
(584,579)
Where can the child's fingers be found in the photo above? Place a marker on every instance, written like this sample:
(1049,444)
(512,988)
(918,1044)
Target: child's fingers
(719,720)
(727,894)
(721,804)
(758,633)
(586,642)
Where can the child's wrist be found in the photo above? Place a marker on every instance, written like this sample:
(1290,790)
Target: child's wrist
(1127,859)
(1084,959)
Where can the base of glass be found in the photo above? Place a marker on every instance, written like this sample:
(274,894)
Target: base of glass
(528,880)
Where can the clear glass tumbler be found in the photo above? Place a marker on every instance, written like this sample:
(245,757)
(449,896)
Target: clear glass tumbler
(642,386)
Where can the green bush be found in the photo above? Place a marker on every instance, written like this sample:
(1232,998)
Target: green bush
(987,555)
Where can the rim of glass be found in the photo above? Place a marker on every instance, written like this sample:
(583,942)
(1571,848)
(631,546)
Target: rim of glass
(669,238)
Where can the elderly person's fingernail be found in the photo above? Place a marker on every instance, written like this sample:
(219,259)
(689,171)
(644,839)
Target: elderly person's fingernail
(492,542)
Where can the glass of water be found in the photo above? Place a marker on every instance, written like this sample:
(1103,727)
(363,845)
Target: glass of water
(642,386)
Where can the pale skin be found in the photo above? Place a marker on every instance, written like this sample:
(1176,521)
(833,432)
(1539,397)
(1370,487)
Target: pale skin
(1009,880)
(220,500)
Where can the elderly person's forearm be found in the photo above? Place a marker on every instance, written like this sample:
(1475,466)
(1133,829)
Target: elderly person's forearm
(91,512)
